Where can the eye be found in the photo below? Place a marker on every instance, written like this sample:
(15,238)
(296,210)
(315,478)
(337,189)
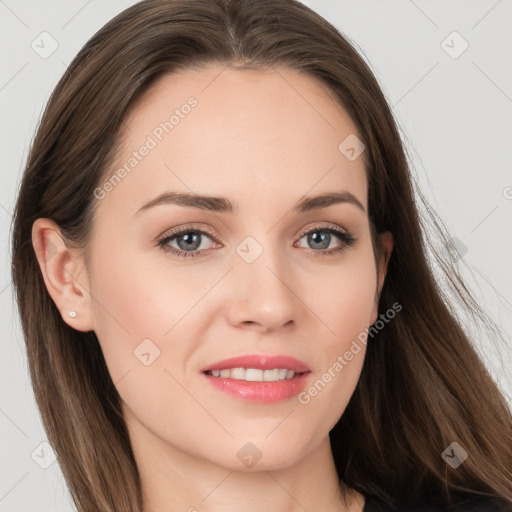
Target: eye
(189,241)
(320,238)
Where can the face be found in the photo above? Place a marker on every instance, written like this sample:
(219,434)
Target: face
(263,273)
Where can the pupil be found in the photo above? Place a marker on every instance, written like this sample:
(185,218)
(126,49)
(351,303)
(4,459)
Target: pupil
(323,239)
(190,239)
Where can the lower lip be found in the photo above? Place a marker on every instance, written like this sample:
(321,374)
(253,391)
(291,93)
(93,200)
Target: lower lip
(263,392)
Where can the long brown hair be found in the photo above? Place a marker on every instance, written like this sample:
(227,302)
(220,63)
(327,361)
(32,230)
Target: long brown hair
(423,385)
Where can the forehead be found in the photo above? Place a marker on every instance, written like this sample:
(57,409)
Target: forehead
(273,133)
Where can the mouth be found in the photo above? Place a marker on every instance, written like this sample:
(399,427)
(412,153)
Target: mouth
(258,378)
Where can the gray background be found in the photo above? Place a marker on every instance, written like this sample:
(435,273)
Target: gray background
(455,112)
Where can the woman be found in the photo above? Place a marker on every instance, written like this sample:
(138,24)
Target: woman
(222,280)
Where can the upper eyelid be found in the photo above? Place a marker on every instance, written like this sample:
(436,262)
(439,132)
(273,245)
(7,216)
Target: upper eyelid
(327,225)
(185,229)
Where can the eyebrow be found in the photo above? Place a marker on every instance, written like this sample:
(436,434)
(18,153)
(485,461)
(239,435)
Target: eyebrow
(224,205)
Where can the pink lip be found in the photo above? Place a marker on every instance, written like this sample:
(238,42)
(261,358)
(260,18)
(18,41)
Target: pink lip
(263,392)
(260,362)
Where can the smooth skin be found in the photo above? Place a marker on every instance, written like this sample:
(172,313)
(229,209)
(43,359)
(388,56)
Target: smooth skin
(263,140)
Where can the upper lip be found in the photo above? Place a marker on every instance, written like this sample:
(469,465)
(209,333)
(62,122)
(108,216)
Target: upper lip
(260,362)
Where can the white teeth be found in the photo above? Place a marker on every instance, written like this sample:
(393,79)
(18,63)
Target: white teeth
(254,374)
(237,373)
(271,375)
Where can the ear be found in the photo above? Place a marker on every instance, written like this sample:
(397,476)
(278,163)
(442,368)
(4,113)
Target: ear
(64,274)
(387,247)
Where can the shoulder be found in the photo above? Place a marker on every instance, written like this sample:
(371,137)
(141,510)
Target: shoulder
(476,504)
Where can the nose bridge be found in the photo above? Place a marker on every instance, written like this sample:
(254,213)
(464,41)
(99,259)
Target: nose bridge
(262,277)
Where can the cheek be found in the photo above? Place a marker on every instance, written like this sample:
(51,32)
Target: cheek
(344,297)
(139,296)
(345,310)
(136,309)
(135,313)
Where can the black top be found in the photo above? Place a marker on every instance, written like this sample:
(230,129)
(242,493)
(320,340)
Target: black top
(478,504)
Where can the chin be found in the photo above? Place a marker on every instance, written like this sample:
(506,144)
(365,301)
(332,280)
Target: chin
(255,453)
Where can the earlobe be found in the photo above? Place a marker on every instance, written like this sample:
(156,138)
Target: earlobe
(67,286)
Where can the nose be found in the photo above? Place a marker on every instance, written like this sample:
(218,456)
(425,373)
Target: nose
(263,297)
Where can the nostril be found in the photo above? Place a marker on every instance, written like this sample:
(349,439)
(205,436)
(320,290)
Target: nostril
(254,325)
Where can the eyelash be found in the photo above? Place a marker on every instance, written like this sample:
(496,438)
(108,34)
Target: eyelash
(346,240)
